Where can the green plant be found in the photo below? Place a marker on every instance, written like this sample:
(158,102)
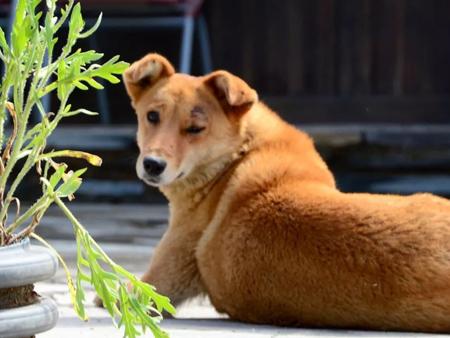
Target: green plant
(35,67)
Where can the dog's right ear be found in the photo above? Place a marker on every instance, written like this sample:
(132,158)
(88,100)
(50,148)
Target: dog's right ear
(234,95)
(144,73)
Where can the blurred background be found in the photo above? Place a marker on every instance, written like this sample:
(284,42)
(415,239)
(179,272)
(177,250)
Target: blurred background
(368,79)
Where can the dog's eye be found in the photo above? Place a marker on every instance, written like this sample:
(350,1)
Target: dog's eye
(194,130)
(153,117)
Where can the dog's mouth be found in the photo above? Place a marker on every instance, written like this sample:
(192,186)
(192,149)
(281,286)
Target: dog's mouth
(156,181)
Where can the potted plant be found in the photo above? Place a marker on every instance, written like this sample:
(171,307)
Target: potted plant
(35,67)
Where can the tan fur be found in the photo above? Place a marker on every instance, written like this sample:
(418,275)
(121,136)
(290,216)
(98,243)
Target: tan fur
(257,222)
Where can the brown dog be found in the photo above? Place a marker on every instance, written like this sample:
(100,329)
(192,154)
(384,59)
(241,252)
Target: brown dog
(257,223)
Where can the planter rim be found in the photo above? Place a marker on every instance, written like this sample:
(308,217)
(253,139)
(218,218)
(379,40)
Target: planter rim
(22,264)
(24,242)
(28,320)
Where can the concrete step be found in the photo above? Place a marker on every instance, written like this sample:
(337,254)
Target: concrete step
(364,157)
(119,137)
(402,184)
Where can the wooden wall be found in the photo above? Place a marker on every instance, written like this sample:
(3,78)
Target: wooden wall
(340,52)
(335,47)
(319,60)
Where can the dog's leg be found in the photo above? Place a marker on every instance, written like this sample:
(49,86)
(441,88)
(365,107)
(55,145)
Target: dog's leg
(173,267)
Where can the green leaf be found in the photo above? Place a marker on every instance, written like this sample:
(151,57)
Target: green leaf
(79,172)
(94,84)
(64,14)
(109,275)
(162,302)
(91,158)
(62,86)
(57,175)
(92,30)
(3,44)
(76,24)
(80,111)
(79,85)
(18,35)
(79,296)
(69,188)
(83,277)
(79,299)
(71,185)
(126,318)
(85,57)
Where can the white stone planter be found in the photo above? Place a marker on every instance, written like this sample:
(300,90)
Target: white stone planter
(23,264)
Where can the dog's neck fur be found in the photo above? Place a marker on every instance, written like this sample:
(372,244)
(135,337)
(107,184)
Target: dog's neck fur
(196,187)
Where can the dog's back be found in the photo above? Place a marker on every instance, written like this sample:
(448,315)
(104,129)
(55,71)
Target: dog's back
(289,248)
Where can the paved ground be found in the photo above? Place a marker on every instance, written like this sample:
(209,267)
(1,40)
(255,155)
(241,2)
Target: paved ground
(128,233)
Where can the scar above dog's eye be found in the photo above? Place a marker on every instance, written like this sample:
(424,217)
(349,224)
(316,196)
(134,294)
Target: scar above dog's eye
(153,117)
(198,112)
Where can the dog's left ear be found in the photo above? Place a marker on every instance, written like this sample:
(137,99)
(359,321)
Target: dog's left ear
(145,73)
(235,96)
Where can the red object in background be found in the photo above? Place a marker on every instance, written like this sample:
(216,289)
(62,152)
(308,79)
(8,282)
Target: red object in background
(188,7)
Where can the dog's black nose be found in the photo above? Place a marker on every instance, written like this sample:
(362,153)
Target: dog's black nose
(154,166)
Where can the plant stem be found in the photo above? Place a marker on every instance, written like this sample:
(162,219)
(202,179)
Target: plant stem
(2,121)
(63,263)
(25,169)
(30,228)
(23,122)
(39,204)
(61,260)
(29,163)
(3,98)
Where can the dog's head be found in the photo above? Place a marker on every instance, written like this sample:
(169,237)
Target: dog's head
(183,121)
